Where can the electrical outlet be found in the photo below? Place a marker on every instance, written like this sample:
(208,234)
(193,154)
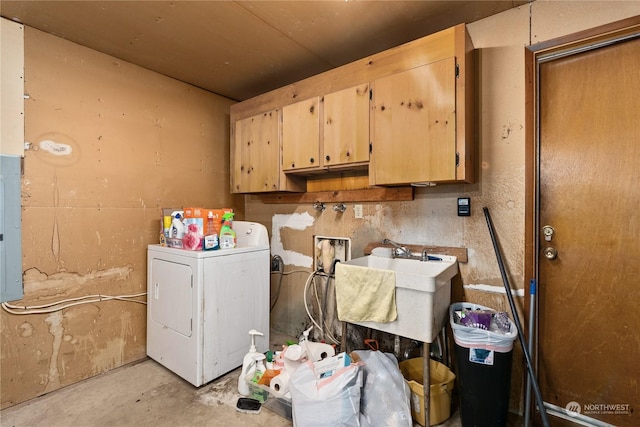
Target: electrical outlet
(357,211)
(275,263)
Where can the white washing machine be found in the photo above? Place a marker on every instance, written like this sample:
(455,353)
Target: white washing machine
(202,304)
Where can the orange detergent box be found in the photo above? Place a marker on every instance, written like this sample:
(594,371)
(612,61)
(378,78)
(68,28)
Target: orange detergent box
(203,213)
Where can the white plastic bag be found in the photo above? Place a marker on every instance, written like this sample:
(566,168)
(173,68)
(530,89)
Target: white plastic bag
(475,338)
(385,395)
(332,401)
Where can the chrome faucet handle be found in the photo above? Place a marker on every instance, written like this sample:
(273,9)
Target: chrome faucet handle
(340,207)
(399,250)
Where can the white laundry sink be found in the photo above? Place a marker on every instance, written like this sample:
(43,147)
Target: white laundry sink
(423,294)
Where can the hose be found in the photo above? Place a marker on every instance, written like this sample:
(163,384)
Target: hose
(325,330)
(70,302)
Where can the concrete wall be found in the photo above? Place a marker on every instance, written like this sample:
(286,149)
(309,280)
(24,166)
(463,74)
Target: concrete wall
(110,144)
(431,218)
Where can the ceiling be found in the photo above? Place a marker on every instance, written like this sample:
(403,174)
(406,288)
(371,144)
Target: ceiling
(240,49)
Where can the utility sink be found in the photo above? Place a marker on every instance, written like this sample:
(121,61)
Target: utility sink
(423,294)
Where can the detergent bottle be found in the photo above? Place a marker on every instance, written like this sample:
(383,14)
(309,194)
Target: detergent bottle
(227,235)
(249,364)
(177,227)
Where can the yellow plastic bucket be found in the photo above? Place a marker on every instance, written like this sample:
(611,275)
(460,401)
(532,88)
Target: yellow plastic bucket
(441,383)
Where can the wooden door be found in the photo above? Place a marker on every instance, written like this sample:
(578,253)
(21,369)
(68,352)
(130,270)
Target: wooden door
(301,135)
(414,125)
(589,192)
(346,126)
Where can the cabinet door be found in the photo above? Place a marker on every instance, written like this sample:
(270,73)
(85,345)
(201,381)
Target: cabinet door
(256,162)
(414,125)
(346,126)
(301,135)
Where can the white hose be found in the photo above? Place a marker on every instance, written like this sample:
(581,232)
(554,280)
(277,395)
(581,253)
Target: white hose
(326,330)
(70,302)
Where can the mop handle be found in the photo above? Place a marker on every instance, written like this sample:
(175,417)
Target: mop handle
(532,308)
(525,349)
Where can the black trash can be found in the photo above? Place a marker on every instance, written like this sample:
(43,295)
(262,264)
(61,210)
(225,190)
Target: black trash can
(483,361)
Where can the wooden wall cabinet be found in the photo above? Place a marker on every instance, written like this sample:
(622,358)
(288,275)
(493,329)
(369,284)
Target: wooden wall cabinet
(412,124)
(301,136)
(327,133)
(345,136)
(255,156)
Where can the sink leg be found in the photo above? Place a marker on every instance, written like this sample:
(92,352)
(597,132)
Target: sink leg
(446,358)
(426,380)
(343,339)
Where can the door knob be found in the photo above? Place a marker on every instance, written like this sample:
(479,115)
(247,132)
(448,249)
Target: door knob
(550,252)
(548,232)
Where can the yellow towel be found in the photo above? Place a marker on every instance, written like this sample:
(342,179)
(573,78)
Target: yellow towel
(365,295)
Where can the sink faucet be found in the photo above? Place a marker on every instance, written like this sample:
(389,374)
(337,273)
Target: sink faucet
(399,251)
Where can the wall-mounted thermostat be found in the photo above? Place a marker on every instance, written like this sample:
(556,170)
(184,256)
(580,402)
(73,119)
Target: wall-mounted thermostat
(464,206)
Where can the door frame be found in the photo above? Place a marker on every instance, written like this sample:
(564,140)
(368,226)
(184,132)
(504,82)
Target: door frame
(535,55)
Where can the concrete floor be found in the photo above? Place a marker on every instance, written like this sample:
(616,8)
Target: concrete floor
(146,394)
(143,394)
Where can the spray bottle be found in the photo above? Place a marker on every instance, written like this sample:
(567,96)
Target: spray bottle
(210,241)
(227,235)
(248,364)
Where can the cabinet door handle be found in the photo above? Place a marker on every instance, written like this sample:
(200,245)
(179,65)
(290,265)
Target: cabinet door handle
(328,158)
(311,160)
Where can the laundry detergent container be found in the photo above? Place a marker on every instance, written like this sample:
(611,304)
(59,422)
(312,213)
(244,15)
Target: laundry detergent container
(483,360)
(441,385)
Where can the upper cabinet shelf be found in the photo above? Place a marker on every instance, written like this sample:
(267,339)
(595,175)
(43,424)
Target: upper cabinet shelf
(404,114)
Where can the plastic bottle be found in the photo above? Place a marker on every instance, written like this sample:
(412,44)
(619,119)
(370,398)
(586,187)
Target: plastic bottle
(210,241)
(227,235)
(210,228)
(166,225)
(248,364)
(259,359)
(177,227)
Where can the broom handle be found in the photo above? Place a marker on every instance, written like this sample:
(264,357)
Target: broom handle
(516,318)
